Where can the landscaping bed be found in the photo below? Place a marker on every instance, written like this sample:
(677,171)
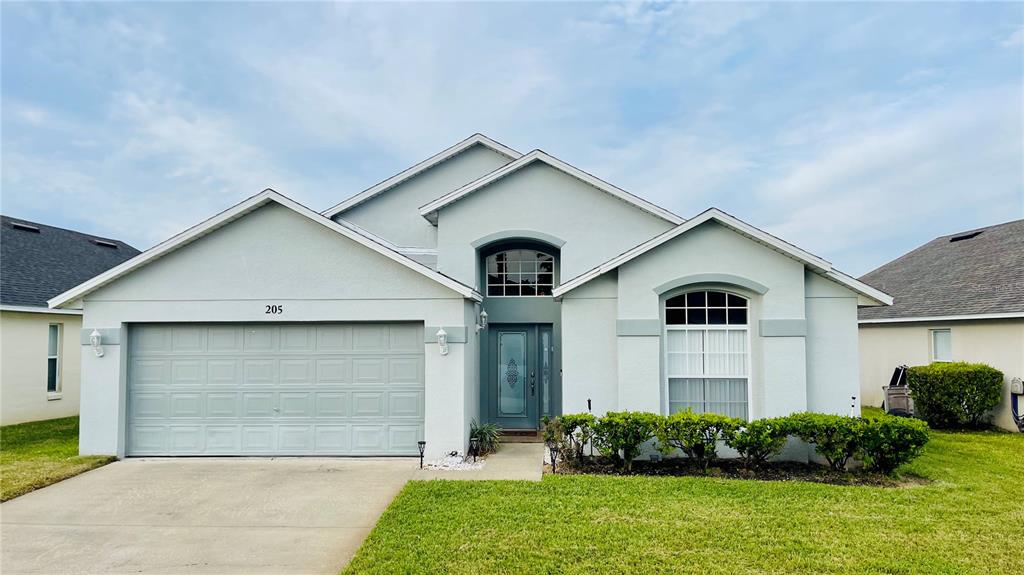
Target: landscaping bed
(40,453)
(733,469)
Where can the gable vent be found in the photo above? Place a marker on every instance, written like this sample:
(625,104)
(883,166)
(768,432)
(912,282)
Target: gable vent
(105,244)
(963,237)
(24,227)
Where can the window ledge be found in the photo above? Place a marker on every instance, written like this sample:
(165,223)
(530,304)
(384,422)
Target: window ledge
(51,396)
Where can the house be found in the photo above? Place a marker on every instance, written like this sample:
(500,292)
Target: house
(39,347)
(481,283)
(957,298)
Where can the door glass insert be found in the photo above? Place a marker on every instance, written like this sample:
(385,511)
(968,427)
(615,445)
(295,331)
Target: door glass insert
(512,371)
(546,352)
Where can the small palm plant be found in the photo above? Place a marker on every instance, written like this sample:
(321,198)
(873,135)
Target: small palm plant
(487,435)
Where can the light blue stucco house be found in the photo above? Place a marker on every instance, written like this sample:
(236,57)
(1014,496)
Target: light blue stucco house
(481,283)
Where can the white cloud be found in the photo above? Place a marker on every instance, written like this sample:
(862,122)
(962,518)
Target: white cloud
(1013,40)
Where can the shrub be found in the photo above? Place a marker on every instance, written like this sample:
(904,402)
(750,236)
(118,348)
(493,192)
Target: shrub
(951,395)
(760,439)
(696,434)
(579,431)
(890,441)
(488,436)
(835,437)
(621,433)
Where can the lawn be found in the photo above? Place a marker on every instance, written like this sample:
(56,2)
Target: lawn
(37,454)
(969,519)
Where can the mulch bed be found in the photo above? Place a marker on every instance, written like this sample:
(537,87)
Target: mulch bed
(733,469)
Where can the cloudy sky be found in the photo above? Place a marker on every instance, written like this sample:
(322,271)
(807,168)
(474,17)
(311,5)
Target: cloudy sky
(856,132)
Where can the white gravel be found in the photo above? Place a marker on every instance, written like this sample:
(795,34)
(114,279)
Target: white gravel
(454,463)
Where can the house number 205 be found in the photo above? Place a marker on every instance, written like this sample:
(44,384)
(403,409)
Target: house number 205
(275,309)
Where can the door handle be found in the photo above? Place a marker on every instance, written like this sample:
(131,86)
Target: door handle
(533,384)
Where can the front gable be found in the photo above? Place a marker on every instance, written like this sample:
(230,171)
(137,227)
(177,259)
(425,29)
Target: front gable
(274,254)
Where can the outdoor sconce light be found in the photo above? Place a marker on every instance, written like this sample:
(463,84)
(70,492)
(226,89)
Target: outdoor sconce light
(95,339)
(474,447)
(482,324)
(423,446)
(442,341)
(553,449)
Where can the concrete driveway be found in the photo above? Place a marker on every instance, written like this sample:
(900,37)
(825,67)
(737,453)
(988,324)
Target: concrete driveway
(221,516)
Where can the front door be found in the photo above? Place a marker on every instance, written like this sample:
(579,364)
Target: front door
(520,374)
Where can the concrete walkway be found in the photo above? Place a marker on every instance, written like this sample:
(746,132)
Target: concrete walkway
(523,461)
(223,516)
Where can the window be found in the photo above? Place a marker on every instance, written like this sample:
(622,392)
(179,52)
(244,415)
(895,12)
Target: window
(519,273)
(707,353)
(53,359)
(942,345)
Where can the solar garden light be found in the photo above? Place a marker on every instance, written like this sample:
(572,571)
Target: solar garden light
(474,447)
(553,449)
(423,446)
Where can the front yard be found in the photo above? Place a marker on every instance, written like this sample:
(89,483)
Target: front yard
(969,519)
(37,454)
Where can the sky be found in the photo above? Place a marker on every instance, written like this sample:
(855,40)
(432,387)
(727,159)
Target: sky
(855,131)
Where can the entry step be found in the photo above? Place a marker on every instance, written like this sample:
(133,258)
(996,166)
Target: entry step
(521,436)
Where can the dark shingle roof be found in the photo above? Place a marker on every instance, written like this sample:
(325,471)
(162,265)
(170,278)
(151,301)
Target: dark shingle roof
(36,266)
(982,272)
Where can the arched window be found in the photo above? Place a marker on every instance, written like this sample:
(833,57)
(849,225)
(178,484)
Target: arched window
(519,273)
(707,352)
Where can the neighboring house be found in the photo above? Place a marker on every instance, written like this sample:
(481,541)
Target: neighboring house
(40,347)
(479,284)
(957,298)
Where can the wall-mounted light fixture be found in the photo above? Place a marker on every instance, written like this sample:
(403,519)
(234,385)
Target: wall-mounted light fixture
(96,339)
(442,341)
(482,323)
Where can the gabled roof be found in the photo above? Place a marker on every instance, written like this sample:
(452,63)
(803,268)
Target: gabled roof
(474,140)
(235,212)
(975,274)
(430,210)
(816,264)
(38,261)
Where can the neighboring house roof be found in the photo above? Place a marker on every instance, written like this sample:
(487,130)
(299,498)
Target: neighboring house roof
(973,274)
(237,211)
(38,261)
(443,156)
(818,265)
(430,210)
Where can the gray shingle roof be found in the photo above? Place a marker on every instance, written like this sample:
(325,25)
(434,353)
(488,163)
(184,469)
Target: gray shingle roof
(35,267)
(983,274)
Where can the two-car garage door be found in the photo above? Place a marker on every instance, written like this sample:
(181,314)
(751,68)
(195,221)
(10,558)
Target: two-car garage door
(275,389)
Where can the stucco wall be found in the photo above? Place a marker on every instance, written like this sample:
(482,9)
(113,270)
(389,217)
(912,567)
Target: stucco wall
(273,256)
(24,339)
(394,214)
(833,372)
(590,347)
(999,343)
(595,226)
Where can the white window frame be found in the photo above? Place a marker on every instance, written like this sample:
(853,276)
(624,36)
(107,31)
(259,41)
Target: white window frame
(487,276)
(933,356)
(748,363)
(58,356)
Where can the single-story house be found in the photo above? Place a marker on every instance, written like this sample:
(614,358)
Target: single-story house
(481,283)
(39,346)
(957,298)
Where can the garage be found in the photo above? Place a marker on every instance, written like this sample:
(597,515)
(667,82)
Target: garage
(275,389)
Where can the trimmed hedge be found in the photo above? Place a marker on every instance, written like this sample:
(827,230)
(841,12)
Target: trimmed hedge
(882,443)
(955,395)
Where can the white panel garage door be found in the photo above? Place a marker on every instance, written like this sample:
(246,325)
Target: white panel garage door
(275,389)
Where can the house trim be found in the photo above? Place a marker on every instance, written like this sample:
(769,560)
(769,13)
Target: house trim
(1008,315)
(34,309)
(518,234)
(235,212)
(419,168)
(730,279)
(429,211)
(818,265)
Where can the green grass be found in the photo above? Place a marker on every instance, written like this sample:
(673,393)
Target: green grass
(969,519)
(37,454)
